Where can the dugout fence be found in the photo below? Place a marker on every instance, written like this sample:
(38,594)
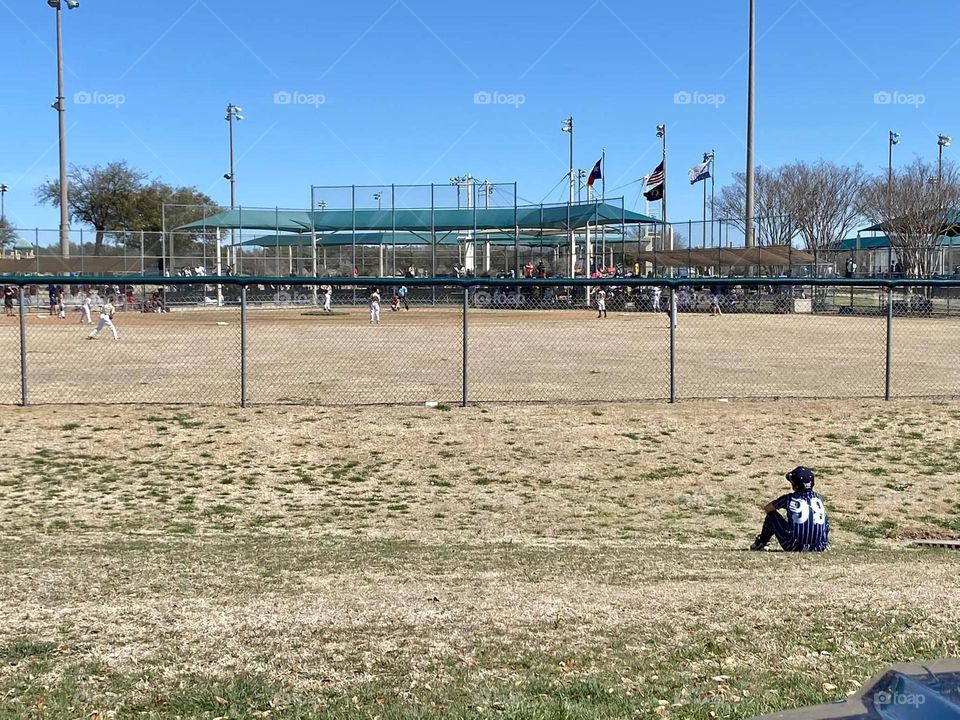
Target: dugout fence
(270,340)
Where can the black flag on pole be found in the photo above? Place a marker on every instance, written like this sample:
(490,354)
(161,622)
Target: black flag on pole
(655,183)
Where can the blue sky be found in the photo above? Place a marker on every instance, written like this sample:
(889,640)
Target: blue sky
(384,91)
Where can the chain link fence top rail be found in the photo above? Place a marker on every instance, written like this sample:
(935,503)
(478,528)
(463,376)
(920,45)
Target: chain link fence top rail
(230,341)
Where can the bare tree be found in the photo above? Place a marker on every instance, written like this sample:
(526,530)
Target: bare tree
(915,209)
(7,234)
(773,223)
(823,200)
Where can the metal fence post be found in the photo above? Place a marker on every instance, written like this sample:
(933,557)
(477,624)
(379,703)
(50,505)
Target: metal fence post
(889,365)
(243,346)
(673,344)
(23,347)
(466,337)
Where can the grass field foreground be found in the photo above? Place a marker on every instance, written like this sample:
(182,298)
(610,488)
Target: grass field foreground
(517,562)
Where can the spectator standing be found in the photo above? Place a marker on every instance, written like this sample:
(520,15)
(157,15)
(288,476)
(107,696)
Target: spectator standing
(375,308)
(85,311)
(8,295)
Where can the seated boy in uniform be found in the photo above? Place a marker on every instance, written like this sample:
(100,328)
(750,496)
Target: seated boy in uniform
(806,526)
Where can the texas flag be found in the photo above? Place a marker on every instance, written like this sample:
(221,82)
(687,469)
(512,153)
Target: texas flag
(699,172)
(596,173)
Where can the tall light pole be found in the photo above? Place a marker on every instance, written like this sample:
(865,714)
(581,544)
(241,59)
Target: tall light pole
(894,139)
(567,127)
(61,107)
(751,112)
(943,141)
(662,134)
(233,113)
(378,196)
(3,192)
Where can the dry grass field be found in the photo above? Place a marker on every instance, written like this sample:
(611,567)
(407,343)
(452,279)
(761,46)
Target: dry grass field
(305,357)
(504,561)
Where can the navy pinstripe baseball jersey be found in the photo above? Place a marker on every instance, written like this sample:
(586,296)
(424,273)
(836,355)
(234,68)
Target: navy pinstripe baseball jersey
(807,515)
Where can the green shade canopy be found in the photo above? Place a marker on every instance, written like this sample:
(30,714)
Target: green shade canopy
(877,242)
(532,218)
(401,238)
(950,223)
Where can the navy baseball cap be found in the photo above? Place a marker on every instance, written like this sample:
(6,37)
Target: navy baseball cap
(801,476)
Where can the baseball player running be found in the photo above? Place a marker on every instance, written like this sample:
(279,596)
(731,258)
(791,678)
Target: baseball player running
(106,320)
(806,527)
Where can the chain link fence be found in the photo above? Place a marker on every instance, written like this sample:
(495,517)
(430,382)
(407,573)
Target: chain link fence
(413,341)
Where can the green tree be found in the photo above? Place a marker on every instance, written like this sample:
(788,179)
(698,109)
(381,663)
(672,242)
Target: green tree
(101,196)
(119,201)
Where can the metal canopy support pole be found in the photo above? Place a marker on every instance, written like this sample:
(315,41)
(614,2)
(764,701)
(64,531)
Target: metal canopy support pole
(23,347)
(466,339)
(276,236)
(393,229)
(354,272)
(313,248)
(889,365)
(516,232)
(673,344)
(243,346)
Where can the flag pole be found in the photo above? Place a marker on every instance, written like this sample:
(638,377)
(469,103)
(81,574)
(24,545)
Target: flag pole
(603,198)
(713,189)
(706,159)
(662,134)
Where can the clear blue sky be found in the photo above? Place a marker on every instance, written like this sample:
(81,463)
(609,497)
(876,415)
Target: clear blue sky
(398,80)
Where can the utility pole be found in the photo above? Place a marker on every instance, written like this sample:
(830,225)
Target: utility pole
(751,111)
(61,107)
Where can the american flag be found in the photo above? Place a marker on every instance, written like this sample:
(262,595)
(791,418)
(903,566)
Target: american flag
(656,177)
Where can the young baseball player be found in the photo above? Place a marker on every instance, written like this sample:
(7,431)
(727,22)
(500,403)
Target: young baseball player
(9,294)
(655,298)
(375,308)
(806,527)
(61,310)
(601,303)
(85,311)
(327,295)
(106,320)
